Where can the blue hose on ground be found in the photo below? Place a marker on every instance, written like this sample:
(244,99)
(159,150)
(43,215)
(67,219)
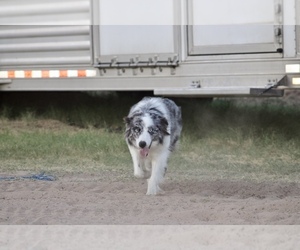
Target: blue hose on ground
(38,177)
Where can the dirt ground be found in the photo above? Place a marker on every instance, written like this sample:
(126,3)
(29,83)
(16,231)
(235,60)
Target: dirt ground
(83,200)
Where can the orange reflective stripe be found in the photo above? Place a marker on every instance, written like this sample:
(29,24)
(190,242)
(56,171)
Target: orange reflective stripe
(28,74)
(53,73)
(11,74)
(45,73)
(63,73)
(81,73)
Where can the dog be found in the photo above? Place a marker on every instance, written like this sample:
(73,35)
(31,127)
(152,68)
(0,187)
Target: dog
(153,128)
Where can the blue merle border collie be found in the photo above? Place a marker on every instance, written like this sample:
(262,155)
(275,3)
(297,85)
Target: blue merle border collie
(153,128)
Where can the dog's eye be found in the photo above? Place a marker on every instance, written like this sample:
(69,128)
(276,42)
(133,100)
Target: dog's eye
(136,129)
(152,131)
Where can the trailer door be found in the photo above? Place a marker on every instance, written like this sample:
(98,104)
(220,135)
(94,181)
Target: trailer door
(134,32)
(234,27)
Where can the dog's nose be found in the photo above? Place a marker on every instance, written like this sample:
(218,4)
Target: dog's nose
(142,144)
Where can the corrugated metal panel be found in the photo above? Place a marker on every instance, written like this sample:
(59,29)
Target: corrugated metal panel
(45,32)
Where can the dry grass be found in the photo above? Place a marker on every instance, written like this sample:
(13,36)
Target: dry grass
(220,139)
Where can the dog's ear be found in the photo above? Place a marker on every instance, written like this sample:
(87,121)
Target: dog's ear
(127,119)
(164,125)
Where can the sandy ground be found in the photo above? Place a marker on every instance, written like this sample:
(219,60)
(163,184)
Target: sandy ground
(82,200)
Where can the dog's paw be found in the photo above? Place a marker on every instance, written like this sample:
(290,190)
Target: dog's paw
(142,174)
(147,174)
(155,191)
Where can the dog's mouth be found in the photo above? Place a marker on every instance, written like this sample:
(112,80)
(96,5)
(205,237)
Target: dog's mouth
(144,152)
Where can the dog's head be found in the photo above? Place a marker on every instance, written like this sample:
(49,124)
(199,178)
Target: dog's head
(144,131)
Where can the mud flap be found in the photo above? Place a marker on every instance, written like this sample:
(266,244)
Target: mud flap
(269,92)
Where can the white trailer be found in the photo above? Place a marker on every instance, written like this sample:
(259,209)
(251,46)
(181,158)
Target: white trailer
(201,48)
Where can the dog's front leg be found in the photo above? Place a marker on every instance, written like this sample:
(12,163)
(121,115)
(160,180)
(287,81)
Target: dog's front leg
(157,175)
(137,165)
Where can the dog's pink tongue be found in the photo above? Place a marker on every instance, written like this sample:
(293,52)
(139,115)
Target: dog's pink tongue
(144,152)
